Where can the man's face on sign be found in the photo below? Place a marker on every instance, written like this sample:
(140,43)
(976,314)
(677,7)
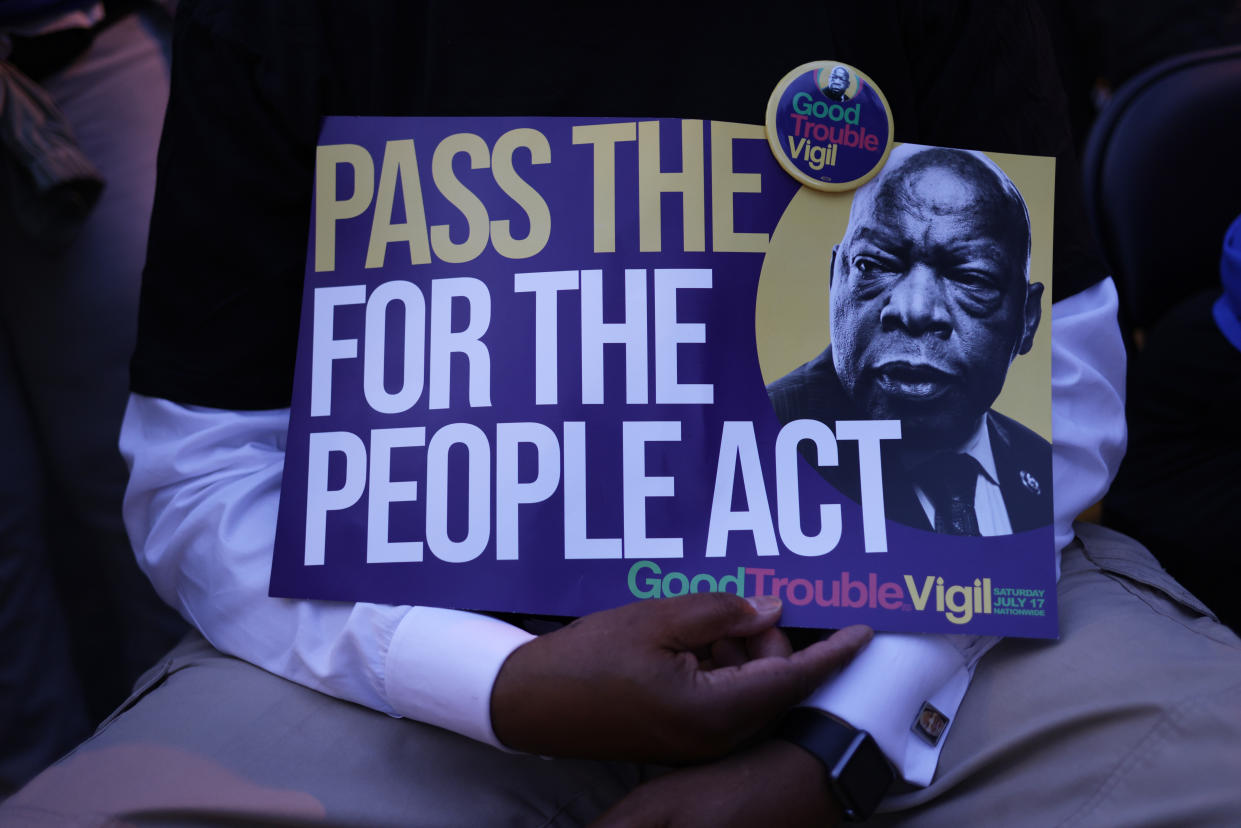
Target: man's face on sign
(839,81)
(929,298)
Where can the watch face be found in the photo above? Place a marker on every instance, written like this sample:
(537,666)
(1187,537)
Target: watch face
(861,777)
(858,772)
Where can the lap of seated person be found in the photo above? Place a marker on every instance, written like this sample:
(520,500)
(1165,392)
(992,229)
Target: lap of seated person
(1133,716)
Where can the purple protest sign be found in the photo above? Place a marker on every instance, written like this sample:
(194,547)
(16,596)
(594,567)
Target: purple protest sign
(553,365)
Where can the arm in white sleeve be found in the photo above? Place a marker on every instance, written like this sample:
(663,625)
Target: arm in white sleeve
(1087,402)
(883,689)
(201,512)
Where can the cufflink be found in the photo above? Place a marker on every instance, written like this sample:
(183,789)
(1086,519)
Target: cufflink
(930,724)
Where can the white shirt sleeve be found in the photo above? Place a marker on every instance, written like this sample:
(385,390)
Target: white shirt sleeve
(883,689)
(201,513)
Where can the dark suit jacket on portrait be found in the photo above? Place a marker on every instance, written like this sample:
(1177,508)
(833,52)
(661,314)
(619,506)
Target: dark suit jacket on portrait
(1022,457)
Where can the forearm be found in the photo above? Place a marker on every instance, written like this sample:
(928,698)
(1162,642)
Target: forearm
(771,783)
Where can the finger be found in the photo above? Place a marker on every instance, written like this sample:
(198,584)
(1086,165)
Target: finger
(729,652)
(693,621)
(836,650)
(770,643)
(755,692)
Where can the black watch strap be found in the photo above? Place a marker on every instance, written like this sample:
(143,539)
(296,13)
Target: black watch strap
(858,773)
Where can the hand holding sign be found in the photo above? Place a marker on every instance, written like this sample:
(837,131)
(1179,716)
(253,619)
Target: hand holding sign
(673,680)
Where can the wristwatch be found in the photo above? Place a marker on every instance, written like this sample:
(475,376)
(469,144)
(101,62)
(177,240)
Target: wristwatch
(858,773)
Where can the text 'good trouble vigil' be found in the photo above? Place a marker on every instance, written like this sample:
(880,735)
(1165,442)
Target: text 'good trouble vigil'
(435,334)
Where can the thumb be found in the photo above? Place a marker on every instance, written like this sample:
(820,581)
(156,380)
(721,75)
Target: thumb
(692,621)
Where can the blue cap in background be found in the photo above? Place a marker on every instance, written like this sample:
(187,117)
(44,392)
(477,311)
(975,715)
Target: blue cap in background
(1227,309)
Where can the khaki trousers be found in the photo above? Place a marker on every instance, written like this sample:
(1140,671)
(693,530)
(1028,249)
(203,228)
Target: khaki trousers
(1132,718)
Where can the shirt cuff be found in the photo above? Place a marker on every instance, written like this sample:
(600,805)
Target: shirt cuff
(426,677)
(918,669)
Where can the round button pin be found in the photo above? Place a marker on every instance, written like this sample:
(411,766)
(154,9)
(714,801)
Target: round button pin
(829,125)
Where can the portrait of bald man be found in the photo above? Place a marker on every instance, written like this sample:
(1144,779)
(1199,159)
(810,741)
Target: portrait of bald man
(838,84)
(930,303)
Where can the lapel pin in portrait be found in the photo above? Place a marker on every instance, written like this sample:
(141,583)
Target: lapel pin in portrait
(1030,482)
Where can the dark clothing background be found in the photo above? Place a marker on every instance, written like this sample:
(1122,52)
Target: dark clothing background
(1177,487)
(223,282)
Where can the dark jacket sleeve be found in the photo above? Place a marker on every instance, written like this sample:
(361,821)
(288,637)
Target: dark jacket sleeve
(223,279)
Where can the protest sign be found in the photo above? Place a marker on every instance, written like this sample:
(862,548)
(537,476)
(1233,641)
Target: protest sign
(553,365)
